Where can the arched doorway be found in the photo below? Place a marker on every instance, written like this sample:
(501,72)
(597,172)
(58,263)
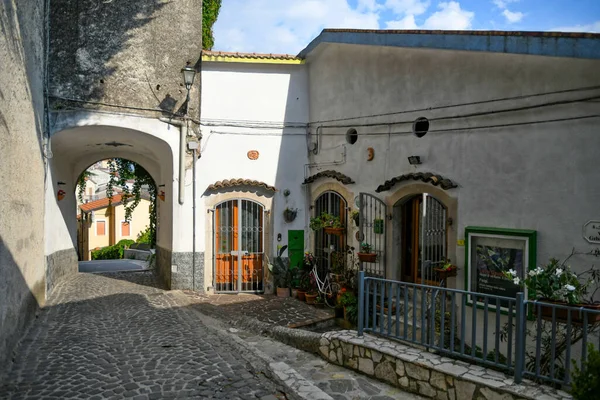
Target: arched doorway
(420,237)
(239,246)
(328,245)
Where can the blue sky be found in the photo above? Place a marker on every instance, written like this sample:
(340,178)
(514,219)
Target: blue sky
(287,26)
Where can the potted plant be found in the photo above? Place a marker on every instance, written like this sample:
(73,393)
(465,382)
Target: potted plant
(338,261)
(348,300)
(330,224)
(289,214)
(304,285)
(282,274)
(366,253)
(585,383)
(556,283)
(355,215)
(320,301)
(447,270)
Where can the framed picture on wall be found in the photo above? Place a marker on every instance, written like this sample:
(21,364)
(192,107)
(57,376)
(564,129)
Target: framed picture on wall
(490,254)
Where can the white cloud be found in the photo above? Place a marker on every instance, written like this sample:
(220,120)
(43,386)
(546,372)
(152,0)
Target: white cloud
(593,27)
(513,17)
(407,7)
(276,26)
(407,22)
(503,3)
(450,16)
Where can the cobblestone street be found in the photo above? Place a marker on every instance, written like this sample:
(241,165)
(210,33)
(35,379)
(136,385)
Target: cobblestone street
(115,336)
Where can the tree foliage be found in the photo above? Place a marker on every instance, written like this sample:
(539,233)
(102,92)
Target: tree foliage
(121,171)
(210,13)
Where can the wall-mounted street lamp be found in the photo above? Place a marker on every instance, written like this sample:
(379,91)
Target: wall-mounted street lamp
(189,73)
(414,160)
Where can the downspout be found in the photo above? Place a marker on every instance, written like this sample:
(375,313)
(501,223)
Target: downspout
(183,129)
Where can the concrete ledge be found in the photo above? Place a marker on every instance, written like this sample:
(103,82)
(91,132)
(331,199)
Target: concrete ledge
(134,254)
(425,373)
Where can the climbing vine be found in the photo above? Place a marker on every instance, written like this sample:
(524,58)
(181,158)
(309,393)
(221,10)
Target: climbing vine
(81,183)
(121,171)
(210,13)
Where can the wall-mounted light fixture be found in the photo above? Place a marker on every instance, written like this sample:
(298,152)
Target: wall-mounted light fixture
(414,160)
(60,183)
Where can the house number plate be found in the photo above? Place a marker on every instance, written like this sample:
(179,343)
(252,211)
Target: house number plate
(591,231)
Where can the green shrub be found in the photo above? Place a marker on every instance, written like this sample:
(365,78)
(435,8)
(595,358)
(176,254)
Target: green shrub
(114,252)
(145,236)
(586,381)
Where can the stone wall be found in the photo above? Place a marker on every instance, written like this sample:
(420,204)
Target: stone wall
(58,265)
(184,276)
(124,53)
(163,266)
(22,119)
(427,374)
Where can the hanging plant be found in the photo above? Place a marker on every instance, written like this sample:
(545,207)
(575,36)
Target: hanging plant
(289,214)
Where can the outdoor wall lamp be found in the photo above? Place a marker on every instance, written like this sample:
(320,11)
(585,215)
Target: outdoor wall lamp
(414,160)
(189,73)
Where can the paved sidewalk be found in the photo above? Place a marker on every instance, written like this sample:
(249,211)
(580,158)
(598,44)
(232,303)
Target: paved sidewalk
(115,336)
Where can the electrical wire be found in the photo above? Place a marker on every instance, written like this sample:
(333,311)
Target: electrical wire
(411,132)
(521,97)
(469,115)
(124,107)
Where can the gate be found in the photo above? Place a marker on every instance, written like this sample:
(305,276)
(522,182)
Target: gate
(238,246)
(432,233)
(372,228)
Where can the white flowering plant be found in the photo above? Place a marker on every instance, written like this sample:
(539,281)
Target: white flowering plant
(554,281)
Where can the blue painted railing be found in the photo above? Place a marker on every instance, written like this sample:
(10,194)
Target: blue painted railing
(521,337)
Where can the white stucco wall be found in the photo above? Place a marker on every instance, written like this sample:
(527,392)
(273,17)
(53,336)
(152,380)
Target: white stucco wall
(258,107)
(530,176)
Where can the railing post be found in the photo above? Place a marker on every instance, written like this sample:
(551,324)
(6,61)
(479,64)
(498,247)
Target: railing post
(520,329)
(361,302)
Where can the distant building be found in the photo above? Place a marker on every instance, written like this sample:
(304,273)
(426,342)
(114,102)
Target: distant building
(99,225)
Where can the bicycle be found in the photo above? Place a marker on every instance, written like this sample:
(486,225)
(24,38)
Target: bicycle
(327,288)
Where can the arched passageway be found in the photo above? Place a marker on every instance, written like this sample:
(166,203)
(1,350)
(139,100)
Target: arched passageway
(78,142)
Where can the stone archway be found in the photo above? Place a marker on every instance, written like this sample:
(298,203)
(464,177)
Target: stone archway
(78,142)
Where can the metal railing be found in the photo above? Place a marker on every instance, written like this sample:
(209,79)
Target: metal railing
(525,338)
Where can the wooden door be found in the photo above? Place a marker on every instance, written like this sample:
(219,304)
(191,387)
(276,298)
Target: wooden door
(238,246)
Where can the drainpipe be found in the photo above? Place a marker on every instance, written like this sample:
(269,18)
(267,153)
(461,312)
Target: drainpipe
(183,129)
(193,146)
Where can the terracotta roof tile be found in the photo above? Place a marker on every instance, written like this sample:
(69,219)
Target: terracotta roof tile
(346,180)
(427,177)
(228,183)
(98,204)
(231,54)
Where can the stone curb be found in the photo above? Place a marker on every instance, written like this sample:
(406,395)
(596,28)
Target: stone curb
(295,385)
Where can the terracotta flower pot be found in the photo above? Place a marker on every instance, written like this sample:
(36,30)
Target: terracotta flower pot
(301,295)
(283,292)
(311,298)
(445,273)
(334,231)
(367,257)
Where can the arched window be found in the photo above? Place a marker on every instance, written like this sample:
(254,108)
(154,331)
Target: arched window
(327,245)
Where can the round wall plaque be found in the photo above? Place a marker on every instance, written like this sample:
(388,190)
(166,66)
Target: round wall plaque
(253,154)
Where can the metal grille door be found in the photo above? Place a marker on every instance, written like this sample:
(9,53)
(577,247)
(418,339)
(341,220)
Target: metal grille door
(325,244)
(372,226)
(432,233)
(238,246)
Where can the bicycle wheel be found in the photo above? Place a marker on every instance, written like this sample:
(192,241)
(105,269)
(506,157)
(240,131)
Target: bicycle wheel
(331,297)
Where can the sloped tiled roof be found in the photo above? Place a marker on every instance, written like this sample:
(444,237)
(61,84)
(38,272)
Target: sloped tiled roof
(257,57)
(346,180)
(229,183)
(427,177)
(98,204)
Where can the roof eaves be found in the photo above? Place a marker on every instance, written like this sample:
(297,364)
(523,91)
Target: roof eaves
(551,44)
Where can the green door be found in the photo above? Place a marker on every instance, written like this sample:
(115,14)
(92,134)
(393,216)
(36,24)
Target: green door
(296,247)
